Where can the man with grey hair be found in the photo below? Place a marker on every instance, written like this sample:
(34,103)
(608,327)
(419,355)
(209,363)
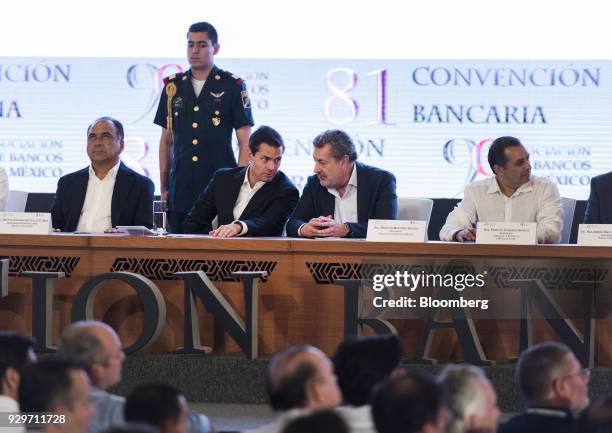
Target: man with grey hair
(96,346)
(343,194)
(555,386)
(472,400)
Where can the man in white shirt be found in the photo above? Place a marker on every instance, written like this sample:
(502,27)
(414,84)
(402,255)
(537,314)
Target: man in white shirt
(106,194)
(343,194)
(249,201)
(512,195)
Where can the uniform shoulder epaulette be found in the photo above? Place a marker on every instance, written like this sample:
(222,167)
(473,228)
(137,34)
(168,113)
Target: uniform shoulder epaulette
(173,77)
(232,77)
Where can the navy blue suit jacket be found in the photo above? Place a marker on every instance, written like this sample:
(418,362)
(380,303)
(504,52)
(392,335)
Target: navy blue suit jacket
(265,214)
(599,206)
(132,202)
(376,198)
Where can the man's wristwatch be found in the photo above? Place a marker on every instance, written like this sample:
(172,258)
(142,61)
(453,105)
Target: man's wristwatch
(348,230)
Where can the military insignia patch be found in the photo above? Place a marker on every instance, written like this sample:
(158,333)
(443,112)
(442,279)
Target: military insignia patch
(246,101)
(217,95)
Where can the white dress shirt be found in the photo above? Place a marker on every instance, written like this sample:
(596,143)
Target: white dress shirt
(4,189)
(7,404)
(358,419)
(244,197)
(345,207)
(537,200)
(96,211)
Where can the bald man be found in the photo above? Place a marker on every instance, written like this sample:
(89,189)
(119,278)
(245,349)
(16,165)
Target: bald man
(96,346)
(299,379)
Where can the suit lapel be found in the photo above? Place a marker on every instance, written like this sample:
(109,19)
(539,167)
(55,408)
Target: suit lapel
(123,184)
(363,193)
(188,92)
(260,198)
(328,202)
(80,191)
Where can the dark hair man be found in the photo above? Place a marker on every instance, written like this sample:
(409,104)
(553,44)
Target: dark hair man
(511,195)
(255,200)
(556,389)
(198,110)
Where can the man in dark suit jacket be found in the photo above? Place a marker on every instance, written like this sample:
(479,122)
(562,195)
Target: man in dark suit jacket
(556,389)
(344,194)
(599,205)
(249,201)
(107,193)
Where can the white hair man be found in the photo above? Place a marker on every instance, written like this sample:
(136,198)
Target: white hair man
(472,399)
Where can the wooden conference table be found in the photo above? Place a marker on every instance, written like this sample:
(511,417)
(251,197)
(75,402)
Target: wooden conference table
(298,302)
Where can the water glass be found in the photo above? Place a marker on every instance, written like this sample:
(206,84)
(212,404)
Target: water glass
(160,210)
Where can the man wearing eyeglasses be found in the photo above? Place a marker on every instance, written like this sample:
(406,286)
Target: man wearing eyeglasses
(556,388)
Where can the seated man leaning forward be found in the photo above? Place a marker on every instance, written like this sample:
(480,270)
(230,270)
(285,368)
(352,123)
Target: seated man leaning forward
(512,195)
(344,194)
(107,193)
(255,200)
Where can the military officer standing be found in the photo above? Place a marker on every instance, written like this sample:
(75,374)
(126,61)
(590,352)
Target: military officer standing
(198,110)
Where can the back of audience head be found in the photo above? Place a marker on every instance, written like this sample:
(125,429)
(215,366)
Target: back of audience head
(472,399)
(549,375)
(411,403)
(158,405)
(323,421)
(301,377)
(60,387)
(132,427)
(361,363)
(16,351)
(598,417)
(96,346)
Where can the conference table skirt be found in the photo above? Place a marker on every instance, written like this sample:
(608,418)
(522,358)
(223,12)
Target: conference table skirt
(297,302)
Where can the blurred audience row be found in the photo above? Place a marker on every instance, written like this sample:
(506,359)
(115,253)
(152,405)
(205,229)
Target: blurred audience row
(363,389)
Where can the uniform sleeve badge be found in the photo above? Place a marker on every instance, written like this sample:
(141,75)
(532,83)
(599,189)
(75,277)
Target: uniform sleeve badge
(246,101)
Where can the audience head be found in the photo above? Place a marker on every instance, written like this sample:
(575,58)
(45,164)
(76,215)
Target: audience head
(302,377)
(60,387)
(509,161)
(96,346)
(266,150)
(361,363)
(598,417)
(472,399)
(550,375)
(132,427)
(334,154)
(323,421)
(158,405)
(411,403)
(16,351)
